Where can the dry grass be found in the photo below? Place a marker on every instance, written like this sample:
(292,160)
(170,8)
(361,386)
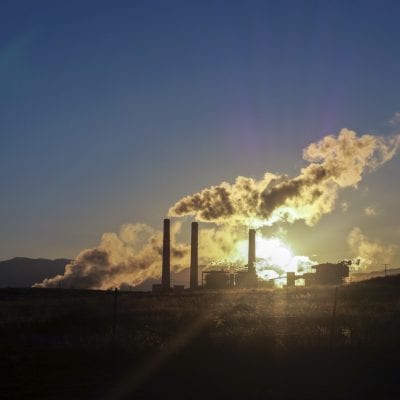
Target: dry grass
(58,343)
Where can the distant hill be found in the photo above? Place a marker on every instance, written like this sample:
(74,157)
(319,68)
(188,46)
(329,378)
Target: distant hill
(24,272)
(386,281)
(362,276)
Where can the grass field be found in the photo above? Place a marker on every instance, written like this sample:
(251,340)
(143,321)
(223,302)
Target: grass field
(249,344)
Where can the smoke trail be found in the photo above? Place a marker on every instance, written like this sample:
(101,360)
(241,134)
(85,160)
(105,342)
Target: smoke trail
(369,252)
(334,163)
(133,255)
(218,246)
(126,259)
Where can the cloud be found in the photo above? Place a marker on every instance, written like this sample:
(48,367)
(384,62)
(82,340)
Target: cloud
(131,256)
(344,205)
(371,211)
(395,120)
(371,253)
(217,245)
(127,258)
(335,162)
(134,254)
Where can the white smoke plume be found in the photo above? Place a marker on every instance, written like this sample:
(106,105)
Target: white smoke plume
(372,254)
(334,163)
(217,246)
(371,211)
(119,260)
(133,255)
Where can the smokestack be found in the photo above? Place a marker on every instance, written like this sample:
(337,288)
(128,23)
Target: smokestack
(252,251)
(194,264)
(166,277)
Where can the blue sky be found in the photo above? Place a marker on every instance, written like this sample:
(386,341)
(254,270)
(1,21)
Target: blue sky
(111,111)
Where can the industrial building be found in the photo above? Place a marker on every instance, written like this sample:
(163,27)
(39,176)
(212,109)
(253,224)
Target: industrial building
(166,257)
(242,278)
(325,274)
(211,279)
(217,279)
(246,277)
(194,256)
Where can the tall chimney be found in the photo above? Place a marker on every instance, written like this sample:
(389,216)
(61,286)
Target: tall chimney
(194,263)
(166,277)
(252,251)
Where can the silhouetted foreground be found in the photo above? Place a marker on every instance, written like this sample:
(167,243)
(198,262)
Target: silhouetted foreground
(276,344)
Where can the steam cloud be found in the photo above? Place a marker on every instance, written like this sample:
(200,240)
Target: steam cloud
(369,252)
(133,255)
(334,163)
(126,259)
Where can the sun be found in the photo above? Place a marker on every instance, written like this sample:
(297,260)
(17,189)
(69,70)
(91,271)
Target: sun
(272,251)
(274,258)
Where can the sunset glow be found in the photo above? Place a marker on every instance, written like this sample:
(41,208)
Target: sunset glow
(274,257)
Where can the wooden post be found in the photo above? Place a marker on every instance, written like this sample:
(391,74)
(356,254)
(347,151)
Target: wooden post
(386,265)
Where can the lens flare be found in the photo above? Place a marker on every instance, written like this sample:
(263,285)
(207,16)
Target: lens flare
(274,251)
(274,258)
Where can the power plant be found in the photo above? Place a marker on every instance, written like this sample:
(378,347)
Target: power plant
(246,277)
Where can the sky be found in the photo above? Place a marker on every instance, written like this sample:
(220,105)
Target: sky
(110,112)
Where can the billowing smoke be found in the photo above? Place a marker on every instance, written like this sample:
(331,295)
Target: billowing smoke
(334,163)
(133,255)
(274,258)
(217,246)
(126,259)
(372,254)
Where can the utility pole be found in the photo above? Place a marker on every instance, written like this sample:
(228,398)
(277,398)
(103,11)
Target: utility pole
(386,265)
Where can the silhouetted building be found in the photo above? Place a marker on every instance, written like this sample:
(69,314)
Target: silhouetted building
(252,251)
(194,258)
(290,279)
(216,279)
(248,278)
(327,274)
(166,257)
(157,287)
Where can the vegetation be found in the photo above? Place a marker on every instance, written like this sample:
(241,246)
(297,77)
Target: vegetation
(269,343)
